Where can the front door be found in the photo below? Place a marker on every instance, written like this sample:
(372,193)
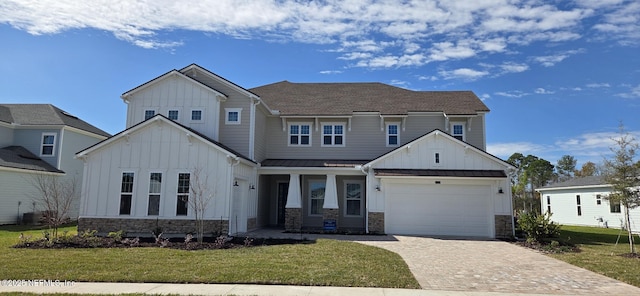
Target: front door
(283,191)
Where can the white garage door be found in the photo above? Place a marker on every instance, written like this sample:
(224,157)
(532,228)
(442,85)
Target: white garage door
(437,209)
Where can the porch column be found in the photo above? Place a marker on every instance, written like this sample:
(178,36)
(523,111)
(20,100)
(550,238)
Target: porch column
(293,208)
(330,208)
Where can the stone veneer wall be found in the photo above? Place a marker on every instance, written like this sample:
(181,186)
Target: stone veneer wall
(106,225)
(252,223)
(376,223)
(293,219)
(504,226)
(331,214)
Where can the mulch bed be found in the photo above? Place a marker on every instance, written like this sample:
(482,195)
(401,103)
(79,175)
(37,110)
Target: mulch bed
(209,243)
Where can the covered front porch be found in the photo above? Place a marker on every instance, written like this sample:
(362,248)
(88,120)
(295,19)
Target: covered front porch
(313,196)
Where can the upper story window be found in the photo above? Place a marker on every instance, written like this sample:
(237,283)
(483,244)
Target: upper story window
(233,115)
(173,114)
(333,135)
(393,134)
(149,113)
(48,144)
(457,131)
(196,115)
(300,134)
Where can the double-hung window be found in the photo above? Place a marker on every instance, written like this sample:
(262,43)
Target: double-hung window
(393,134)
(48,144)
(316,197)
(457,131)
(300,135)
(333,135)
(173,114)
(183,194)
(353,200)
(614,207)
(126,193)
(155,188)
(579,205)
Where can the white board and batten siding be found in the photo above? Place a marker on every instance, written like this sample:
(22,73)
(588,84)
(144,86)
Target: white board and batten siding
(564,207)
(157,147)
(456,206)
(177,93)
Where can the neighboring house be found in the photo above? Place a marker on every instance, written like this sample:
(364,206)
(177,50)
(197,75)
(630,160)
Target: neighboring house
(353,157)
(39,139)
(582,201)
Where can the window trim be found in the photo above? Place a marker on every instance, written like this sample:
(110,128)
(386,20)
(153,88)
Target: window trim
(388,135)
(177,114)
(333,135)
(615,205)
(130,194)
(346,199)
(159,193)
(53,146)
(310,197)
(226,116)
(144,114)
(464,132)
(201,120)
(299,135)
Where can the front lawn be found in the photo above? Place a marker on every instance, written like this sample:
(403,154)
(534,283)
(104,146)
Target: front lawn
(323,263)
(600,252)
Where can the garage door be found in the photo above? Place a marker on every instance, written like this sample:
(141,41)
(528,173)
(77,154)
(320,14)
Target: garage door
(422,209)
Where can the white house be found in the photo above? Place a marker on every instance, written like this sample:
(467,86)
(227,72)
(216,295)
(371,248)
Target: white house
(582,201)
(357,157)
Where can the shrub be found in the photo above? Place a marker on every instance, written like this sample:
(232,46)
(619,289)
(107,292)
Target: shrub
(538,227)
(117,235)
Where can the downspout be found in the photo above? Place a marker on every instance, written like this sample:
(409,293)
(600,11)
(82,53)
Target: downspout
(233,162)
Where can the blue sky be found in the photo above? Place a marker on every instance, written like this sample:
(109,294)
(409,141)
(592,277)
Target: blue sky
(558,76)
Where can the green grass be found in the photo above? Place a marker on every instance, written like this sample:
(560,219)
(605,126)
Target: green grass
(323,263)
(600,252)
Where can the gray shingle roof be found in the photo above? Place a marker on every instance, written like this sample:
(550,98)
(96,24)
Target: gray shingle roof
(577,182)
(345,98)
(44,114)
(20,158)
(322,163)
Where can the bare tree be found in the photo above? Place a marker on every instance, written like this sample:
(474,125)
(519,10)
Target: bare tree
(54,196)
(624,176)
(201,195)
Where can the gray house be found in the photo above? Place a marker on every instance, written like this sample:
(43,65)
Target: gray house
(38,139)
(356,157)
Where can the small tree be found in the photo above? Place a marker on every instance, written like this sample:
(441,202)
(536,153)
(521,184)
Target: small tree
(588,169)
(54,196)
(201,196)
(624,176)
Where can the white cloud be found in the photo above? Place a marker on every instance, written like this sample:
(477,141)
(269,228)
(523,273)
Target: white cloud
(623,24)
(633,93)
(328,72)
(400,83)
(542,91)
(485,97)
(551,60)
(512,67)
(463,73)
(512,94)
(598,85)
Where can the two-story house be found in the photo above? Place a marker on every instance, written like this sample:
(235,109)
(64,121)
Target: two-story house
(357,157)
(39,139)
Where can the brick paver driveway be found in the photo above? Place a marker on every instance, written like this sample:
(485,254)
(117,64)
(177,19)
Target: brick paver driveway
(495,266)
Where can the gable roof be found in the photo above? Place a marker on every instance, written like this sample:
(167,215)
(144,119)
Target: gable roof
(171,73)
(18,157)
(345,98)
(155,118)
(438,132)
(44,114)
(589,181)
